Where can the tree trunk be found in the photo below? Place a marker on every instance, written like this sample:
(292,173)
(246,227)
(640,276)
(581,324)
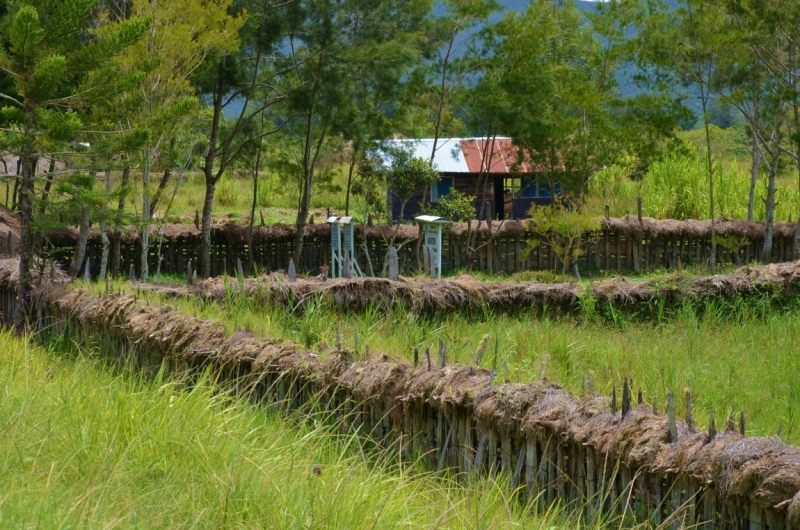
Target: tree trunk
(205,243)
(349,184)
(160,191)
(27,235)
(83,239)
(15,195)
(253,211)
(103,228)
(713,261)
(756,162)
(302,219)
(766,253)
(210,177)
(116,242)
(145,234)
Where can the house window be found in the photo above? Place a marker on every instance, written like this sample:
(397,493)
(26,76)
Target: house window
(441,188)
(530,188)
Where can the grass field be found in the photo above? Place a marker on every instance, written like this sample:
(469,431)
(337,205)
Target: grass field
(734,353)
(83,447)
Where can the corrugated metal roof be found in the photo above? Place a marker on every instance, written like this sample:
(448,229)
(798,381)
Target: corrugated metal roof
(466,155)
(449,156)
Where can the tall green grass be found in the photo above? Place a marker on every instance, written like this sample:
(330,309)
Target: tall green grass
(83,447)
(677,188)
(734,353)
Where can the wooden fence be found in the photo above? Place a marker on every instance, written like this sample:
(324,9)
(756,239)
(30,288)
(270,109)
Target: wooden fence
(587,454)
(625,244)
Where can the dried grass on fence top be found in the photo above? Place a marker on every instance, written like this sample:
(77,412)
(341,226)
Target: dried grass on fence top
(693,229)
(238,234)
(466,293)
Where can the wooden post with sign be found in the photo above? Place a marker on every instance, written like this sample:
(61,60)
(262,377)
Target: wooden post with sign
(433,241)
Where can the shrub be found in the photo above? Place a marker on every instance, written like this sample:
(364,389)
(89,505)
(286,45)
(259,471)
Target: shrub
(226,192)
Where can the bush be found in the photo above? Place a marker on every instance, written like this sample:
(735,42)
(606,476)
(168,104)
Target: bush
(457,207)
(226,192)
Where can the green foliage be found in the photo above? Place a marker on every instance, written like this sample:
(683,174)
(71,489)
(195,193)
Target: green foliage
(456,206)
(676,187)
(405,175)
(567,229)
(160,436)
(226,192)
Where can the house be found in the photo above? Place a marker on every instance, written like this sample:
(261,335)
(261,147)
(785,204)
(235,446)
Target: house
(487,169)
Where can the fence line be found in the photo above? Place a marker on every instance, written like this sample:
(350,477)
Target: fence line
(621,245)
(552,447)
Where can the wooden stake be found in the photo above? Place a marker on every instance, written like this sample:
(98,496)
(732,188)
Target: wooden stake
(394,264)
(416,356)
(428,357)
(639,211)
(626,398)
(712,428)
(673,427)
(481,449)
(614,399)
(741,423)
(689,417)
(189,273)
(518,468)
(443,452)
(639,399)
(346,273)
(443,353)
(530,467)
(132,273)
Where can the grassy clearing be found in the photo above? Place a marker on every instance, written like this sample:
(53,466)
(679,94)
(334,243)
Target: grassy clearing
(84,447)
(735,353)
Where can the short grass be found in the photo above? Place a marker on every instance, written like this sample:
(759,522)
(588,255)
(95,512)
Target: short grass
(84,447)
(733,353)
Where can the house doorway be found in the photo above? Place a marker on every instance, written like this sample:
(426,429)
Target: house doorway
(499,196)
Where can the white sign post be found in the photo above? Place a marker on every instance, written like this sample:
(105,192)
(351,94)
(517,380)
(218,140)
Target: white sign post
(337,259)
(349,244)
(433,241)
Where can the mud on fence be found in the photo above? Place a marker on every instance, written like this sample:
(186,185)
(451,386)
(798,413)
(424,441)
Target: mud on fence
(552,446)
(623,244)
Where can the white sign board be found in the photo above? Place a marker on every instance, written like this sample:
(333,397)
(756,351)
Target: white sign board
(349,238)
(433,241)
(336,237)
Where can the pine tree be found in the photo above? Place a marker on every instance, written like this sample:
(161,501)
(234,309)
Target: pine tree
(57,61)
